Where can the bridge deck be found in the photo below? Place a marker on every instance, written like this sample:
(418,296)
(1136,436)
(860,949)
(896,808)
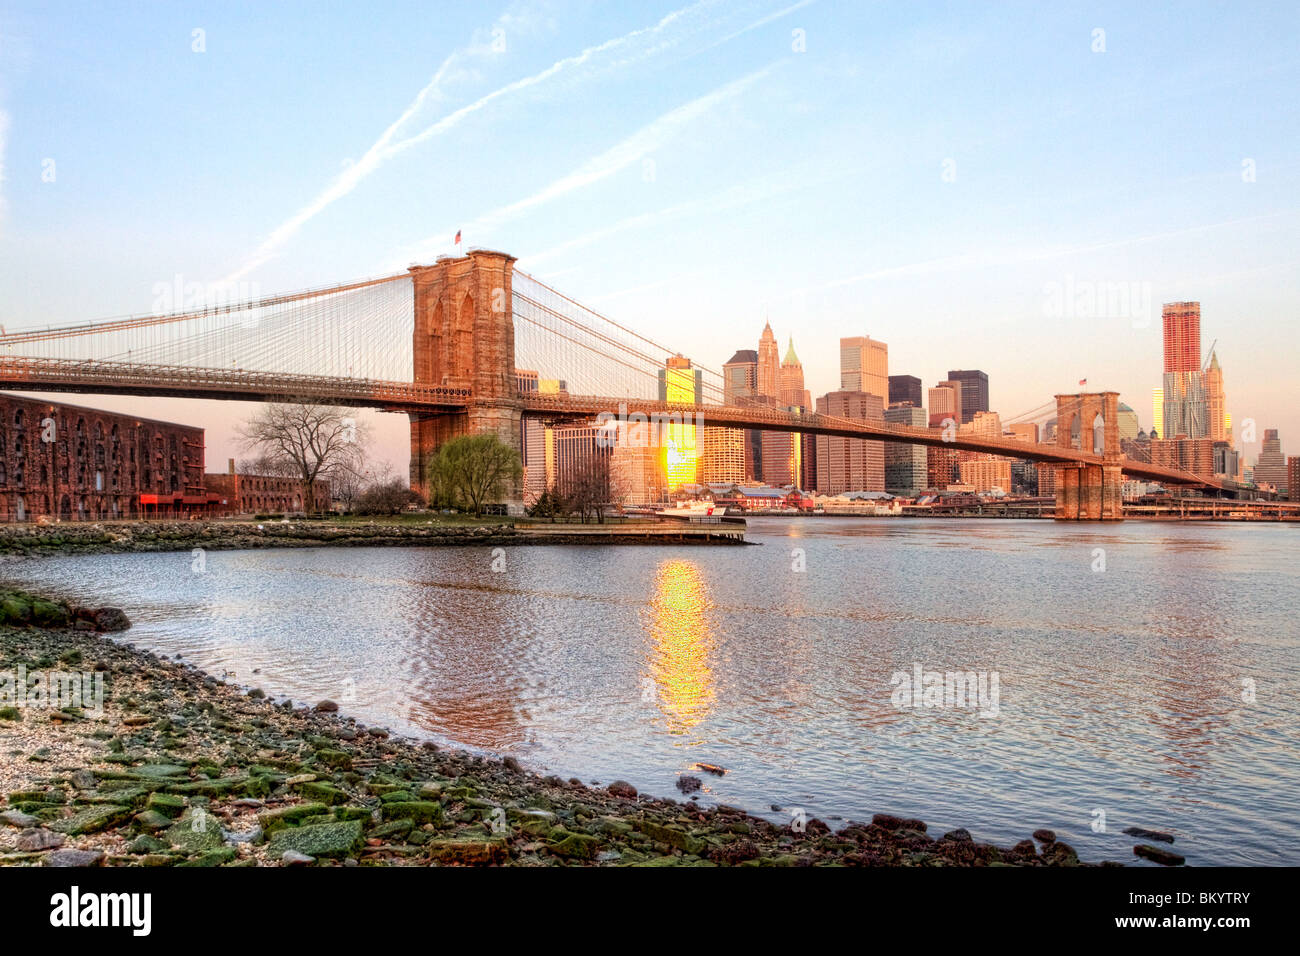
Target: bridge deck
(128,378)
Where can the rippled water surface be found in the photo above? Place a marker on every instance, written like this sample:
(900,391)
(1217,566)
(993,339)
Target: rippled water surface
(1119,690)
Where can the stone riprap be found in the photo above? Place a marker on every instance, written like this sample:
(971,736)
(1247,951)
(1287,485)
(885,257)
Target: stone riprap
(182,769)
(144,536)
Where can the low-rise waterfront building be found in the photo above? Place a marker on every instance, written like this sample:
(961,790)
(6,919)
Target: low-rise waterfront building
(237,492)
(69,462)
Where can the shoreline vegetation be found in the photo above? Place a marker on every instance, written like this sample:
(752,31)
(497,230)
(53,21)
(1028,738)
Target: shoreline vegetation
(124,537)
(178,768)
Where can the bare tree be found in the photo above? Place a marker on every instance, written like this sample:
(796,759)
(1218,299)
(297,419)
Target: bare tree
(266,465)
(308,441)
(347,484)
(589,487)
(388,497)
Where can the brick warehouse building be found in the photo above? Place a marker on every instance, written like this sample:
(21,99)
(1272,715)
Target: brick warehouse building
(235,492)
(74,463)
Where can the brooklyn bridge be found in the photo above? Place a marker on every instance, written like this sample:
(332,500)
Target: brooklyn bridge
(443,344)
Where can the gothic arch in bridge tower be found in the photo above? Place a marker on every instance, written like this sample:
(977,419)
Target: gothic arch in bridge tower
(429,366)
(463,341)
(1089,490)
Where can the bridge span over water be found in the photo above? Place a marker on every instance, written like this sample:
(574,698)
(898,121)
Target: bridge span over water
(444,344)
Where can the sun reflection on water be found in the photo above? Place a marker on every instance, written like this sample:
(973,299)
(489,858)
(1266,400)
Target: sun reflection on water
(681,645)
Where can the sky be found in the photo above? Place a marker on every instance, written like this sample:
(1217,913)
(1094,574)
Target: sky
(973,184)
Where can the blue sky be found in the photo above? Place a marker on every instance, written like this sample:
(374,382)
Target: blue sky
(928,174)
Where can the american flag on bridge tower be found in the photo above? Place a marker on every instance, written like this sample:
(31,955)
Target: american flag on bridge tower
(458,237)
(1083,381)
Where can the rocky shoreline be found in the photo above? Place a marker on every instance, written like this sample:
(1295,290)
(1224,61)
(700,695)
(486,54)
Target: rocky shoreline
(182,769)
(144,536)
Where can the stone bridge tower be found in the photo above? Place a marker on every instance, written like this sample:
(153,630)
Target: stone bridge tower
(1089,422)
(465,337)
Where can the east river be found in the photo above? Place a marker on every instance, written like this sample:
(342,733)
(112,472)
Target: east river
(1139,674)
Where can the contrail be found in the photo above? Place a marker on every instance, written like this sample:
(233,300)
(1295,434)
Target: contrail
(447,122)
(384,148)
(650,137)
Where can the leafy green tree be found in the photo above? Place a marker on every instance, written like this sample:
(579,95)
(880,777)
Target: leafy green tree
(472,471)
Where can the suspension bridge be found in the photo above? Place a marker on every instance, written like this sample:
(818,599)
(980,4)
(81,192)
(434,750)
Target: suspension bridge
(446,343)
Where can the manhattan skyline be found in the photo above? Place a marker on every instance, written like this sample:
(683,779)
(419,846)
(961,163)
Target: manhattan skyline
(944,182)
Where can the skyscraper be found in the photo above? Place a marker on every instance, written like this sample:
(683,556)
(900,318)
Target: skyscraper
(864,366)
(1185,406)
(679,382)
(850,464)
(783,451)
(768,392)
(793,394)
(905,388)
(575,448)
(769,364)
(974,391)
(1158,412)
(722,456)
(1182,328)
(905,462)
(740,377)
(1128,422)
(739,386)
(1184,410)
(1216,401)
(1270,468)
(944,401)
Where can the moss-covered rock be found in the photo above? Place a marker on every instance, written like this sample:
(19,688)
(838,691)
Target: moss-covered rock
(396,830)
(145,843)
(151,821)
(272,820)
(417,811)
(197,831)
(15,609)
(469,851)
(216,857)
(168,804)
(353,813)
(50,613)
(91,820)
(323,792)
(338,759)
(672,835)
(335,839)
(574,845)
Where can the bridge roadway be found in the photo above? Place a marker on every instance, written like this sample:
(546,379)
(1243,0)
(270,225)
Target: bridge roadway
(133,378)
(233,384)
(586,408)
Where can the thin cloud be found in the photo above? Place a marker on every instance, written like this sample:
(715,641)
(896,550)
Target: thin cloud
(649,138)
(737,196)
(1026,256)
(385,148)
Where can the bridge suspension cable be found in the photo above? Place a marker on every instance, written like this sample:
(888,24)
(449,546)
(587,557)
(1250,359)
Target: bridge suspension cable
(357,330)
(562,339)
